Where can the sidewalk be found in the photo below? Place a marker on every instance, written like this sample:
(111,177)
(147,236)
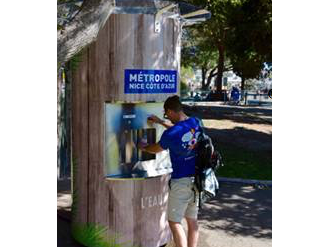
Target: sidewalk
(240,216)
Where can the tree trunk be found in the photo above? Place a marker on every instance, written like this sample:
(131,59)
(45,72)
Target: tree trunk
(204,71)
(243,93)
(83,29)
(211,75)
(243,84)
(221,60)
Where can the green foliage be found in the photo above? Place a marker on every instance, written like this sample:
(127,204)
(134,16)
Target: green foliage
(89,235)
(247,64)
(92,235)
(186,74)
(59,27)
(76,59)
(214,30)
(251,34)
(239,31)
(74,208)
(245,164)
(183,88)
(196,52)
(250,84)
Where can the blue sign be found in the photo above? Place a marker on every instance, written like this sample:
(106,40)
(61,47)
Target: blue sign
(150,81)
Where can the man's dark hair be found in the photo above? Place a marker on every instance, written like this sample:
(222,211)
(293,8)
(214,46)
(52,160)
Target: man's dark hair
(173,103)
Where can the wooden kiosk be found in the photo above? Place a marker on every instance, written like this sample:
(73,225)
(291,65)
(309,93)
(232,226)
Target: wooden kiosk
(111,102)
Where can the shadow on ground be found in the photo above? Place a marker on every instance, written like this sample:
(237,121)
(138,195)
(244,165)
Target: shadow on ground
(64,238)
(239,210)
(239,114)
(241,137)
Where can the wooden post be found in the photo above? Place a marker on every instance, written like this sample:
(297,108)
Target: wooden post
(135,210)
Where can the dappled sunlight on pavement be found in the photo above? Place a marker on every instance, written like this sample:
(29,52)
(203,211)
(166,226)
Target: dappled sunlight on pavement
(240,216)
(231,124)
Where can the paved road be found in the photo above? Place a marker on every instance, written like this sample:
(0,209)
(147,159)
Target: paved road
(240,216)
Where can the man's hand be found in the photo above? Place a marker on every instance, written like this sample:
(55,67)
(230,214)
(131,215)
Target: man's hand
(151,148)
(142,145)
(155,119)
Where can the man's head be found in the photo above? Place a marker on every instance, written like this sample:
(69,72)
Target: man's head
(173,108)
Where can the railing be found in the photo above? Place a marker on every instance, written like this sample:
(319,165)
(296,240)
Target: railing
(246,98)
(256,98)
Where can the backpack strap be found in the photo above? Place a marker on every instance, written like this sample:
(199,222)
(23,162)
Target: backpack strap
(197,183)
(199,199)
(200,123)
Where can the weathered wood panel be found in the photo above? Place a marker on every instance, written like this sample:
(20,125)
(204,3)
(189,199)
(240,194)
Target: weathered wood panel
(138,211)
(98,78)
(134,209)
(135,45)
(80,140)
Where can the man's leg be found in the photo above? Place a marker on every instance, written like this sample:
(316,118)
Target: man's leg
(178,233)
(192,232)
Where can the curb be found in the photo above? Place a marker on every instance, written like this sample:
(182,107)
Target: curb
(257,183)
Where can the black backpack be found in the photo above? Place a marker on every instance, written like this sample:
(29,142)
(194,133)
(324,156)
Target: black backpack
(207,161)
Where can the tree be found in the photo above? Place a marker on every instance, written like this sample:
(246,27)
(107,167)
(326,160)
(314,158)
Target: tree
(186,74)
(247,66)
(251,36)
(197,54)
(239,31)
(82,29)
(215,31)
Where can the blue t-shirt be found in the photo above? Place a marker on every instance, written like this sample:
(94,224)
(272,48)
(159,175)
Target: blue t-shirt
(181,139)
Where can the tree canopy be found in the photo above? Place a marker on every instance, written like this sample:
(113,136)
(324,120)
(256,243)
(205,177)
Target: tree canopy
(196,53)
(250,38)
(239,31)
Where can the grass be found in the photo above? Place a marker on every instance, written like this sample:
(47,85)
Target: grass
(245,164)
(93,235)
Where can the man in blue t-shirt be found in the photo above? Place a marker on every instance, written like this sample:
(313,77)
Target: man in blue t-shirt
(180,138)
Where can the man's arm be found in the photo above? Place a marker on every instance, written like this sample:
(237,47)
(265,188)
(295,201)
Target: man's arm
(156,119)
(166,124)
(151,148)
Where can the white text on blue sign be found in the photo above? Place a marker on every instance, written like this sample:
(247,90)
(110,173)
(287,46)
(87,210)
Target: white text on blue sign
(150,81)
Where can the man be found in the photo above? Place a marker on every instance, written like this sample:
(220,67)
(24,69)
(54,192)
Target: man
(180,138)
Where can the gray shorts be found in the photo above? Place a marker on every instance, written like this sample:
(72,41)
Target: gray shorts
(182,201)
